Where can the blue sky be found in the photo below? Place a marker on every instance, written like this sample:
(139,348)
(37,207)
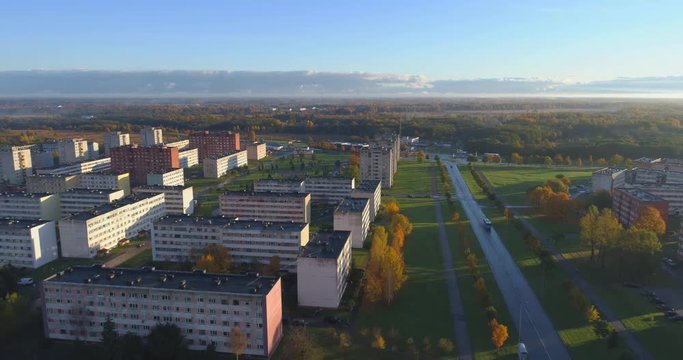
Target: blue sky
(575,40)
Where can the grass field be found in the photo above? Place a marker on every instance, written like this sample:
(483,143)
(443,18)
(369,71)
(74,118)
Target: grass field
(412,178)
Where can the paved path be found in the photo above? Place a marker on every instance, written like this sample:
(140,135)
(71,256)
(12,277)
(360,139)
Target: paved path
(131,251)
(462,339)
(537,331)
(606,312)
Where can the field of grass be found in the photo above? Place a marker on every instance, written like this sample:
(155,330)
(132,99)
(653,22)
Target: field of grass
(412,178)
(139,260)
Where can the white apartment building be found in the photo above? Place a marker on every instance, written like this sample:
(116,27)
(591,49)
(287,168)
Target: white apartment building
(180,144)
(377,163)
(115,139)
(174,177)
(322,269)
(179,199)
(217,166)
(654,177)
(51,183)
(353,215)
(673,194)
(77,150)
(78,200)
(150,136)
(608,179)
(103,164)
(27,243)
(266,206)
(180,238)
(106,180)
(85,233)
(256,151)
(329,189)
(371,190)
(31,206)
(188,158)
(279,185)
(15,164)
(206,307)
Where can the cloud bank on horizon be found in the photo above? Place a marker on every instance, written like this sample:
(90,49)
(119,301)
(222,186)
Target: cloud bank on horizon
(40,83)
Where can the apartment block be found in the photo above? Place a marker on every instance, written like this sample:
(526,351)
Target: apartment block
(279,185)
(372,191)
(664,164)
(180,144)
(266,206)
(627,204)
(353,215)
(27,243)
(174,177)
(15,164)
(608,179)
(77,150)
(377,163)
(51,183)
(78,200)
(151,136)
(322,269)
(206,307)
(211,144)
(638,176)
(41,158)
(84,234)
(115,139)
(329,189)
(188,158)
(140,161)
(219,165)
(106,180)
(179,199)
(31,206)
(103,164)
(256,151)
(672,194)
(181,238)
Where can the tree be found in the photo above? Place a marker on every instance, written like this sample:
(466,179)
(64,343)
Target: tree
(547,161)
(129,347)
(607,231)
(592,314)
(403,222)
(14,314)
(344,340)
(165,341)
(509,215)
(650,219)
(391,208)
(215,258)
(398,237)
(587,226)
(499,334)
(385,269)
(377,339)
(352,171)
(420,156)
(109,335)
(446,346)
(636,251)
(579,162)
(556,185)
(354,160)
(456,216)
(237,342)
(538,194)
(515,158)
(252,135)
(557,206)
(565,179)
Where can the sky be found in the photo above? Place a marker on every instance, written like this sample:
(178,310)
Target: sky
(560,40)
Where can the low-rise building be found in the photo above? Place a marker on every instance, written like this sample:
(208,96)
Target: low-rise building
(181,238)
(256,151)
(219,165)
(279,185)
(78,200)
(188,158)
(371,190)
(327,189)
(103,164)
(266,206)
(27,243)
(353,215)
(180,144)
(31,206)
(206,307)
(608,179)
(106,180)
(15,164)
(179,199)
(52,184)
(323,269)
(175,177)
(84,234)
(627,204)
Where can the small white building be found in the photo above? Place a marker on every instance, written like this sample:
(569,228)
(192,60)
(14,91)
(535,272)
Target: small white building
(179,199)
(371,190)
(608,179)
(15,164)
(27,243)
(323,269)
(353,215)
(78,200)
(175,177)
(219,165)
(256,151)
(106,180)
(188,158)
(32,206)
(279,185)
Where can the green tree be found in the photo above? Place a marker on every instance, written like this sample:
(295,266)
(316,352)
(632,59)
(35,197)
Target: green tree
(587,226)
(109,336)
(166,342)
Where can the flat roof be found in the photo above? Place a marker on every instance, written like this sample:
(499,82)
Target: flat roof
(165,171)
(368,185)
(77,191)
(105,173)
(54,176)
(326,245)
(96,275)
(105,208)
(641,194)
(293,181)
(9,223)
(76,164)
(608,171)
(24,194)
(352,205)
(295,194)
(329,179)
(226,153)
(161,187)
(222,221)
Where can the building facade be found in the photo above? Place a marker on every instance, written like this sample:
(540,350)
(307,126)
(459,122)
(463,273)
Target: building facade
(29,206)
(151,136)
(322,269)
(15,164)
(377,163)
(27,243)
(179,199)
(206,307)
(84,234)
(115,139)
(103,164)
(211,144)
(140,161)
(167,178)
(256,151)
(106,180)
(353,215)
(372,191)
(180,144)
(188,158)
(279,185)
(266,206)
(77,150)
(608,179)
(181,238)
(78,200)
(627,204)
(329,189)
(219,165)
(52,184)
(672,194)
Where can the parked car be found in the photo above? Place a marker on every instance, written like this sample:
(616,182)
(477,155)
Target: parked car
(25,281)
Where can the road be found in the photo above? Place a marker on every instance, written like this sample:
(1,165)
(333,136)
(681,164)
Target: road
(537,331)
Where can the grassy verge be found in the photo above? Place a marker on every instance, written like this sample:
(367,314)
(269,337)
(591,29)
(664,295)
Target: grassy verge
(139,260)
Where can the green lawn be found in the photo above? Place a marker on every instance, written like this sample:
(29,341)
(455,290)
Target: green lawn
(142,259)
(412,178)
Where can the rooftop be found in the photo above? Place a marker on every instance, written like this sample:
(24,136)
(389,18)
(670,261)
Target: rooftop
(105,173)
(165,171)
(328,179)
(641,194)
(280,181)
(79,191)
(230,222)
(9,223)
(368,185)
(325,245)
(161,187)
(52,176)
(294,194)
(24,194)
(96,275)
(352,205)
(105,208)
(227,153)
(77,164)
(608,171)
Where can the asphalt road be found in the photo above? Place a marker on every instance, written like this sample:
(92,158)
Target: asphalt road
(537,331)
